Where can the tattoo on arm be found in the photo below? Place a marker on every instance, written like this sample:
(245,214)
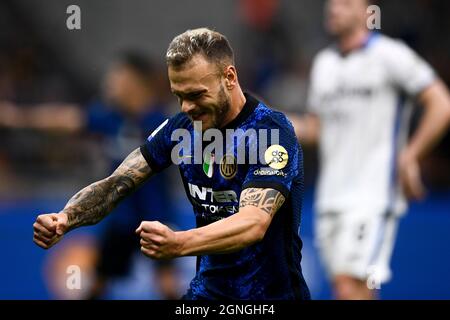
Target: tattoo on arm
(97,200)
(268,200)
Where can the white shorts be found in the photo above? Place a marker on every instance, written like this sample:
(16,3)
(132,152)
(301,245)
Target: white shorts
(356,244)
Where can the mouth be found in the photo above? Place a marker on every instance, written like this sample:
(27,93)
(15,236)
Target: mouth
(201,116)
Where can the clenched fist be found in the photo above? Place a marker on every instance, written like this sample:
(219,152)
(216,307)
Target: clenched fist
(49,229)
(158,241)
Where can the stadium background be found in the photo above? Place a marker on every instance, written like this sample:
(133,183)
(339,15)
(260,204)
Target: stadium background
(42,61)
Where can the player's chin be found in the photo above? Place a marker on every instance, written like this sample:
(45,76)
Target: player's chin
(207,126)
(207,123)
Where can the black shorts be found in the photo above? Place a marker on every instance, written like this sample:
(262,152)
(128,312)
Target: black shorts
(116,251)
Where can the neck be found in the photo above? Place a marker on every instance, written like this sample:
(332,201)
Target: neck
(353,40)
(236,105)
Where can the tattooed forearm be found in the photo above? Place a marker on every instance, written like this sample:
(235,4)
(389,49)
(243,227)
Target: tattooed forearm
(93,203)
(268,200)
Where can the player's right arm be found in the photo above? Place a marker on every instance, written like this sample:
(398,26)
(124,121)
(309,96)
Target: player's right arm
(94,202)
(413,75)
(432,127)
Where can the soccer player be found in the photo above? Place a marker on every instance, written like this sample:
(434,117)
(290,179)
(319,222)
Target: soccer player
(247,214)
(359,100)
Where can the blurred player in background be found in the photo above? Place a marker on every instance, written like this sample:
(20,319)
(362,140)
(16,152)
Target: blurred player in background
(360,93)
(129,110)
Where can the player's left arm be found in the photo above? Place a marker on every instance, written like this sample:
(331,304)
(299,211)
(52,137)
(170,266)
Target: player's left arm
(248,226)
(435,121)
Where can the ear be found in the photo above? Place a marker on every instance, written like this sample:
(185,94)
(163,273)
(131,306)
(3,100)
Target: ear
(230,74)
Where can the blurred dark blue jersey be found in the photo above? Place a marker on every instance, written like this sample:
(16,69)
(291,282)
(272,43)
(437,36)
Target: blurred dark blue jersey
(121,134)
(271,268)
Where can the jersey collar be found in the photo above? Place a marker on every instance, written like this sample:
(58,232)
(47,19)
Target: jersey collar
(370,39)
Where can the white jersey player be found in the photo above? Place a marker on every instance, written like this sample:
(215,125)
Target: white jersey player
(360,93)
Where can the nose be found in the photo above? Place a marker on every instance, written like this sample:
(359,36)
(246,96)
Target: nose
(187,106)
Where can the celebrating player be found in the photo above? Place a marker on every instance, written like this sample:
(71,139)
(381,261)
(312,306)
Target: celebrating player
(247,214)
(359,115)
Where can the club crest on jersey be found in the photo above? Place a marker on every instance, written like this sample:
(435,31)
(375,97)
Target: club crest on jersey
(208,164)
(276,157)
(228,166)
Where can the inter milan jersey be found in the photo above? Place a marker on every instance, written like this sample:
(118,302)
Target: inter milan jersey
(263,152)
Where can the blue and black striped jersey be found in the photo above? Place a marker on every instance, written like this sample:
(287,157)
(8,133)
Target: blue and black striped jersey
(271,268)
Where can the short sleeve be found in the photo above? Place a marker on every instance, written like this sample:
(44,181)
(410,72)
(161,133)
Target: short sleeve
(281,165)
(407,69)
(158,146)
